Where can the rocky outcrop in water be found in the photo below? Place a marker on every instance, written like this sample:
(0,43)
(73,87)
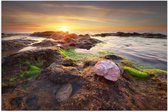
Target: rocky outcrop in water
(134,34)
(68,39)
(83,42)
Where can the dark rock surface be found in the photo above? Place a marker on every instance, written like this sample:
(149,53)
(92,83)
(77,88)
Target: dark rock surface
(9,45)
(68,62)
(85,43)
(13,65)
(113,57)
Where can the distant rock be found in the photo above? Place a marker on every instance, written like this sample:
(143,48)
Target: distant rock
(134,34)
(69,39)
(13,34)
(56,35)
(104,34)
(43,34)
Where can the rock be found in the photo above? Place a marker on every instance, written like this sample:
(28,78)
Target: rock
(68,62)
(19,62)
(113,57)
(86,43)
(9,45)
(6,89)
(54,67)
(89,63)
(31,102)
(16,102)
(61,78)
(43,34)
(104,34)
(46,43)
(59,74)
(64,93)
(69,39)
(56,35)
(14,34)
(134,34)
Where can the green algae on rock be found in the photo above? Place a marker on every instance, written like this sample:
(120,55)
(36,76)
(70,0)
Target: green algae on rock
(70,53)
(32,70)
(135,72)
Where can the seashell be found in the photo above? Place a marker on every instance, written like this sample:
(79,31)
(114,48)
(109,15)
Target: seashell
(107,69)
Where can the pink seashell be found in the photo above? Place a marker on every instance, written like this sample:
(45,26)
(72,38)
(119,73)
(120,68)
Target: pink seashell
(107,69)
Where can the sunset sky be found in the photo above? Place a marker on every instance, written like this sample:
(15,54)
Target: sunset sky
(83,16)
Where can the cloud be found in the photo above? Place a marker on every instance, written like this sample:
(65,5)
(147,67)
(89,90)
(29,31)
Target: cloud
(93,14)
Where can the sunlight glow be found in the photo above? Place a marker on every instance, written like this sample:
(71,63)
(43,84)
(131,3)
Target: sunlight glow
(64,28)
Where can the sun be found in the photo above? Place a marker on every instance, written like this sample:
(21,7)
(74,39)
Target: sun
(64,28)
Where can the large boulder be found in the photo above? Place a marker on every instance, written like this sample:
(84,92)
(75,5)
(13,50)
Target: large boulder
(9,45)
(84,42)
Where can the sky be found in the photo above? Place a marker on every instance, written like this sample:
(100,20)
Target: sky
(84,16)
